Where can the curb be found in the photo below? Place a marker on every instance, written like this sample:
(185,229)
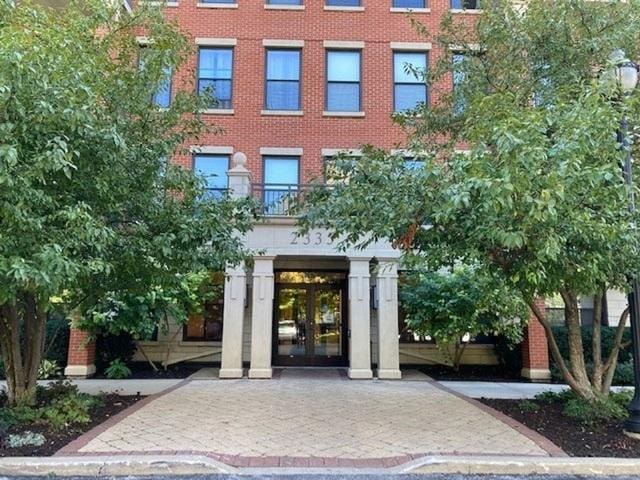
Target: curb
(120,465)
(143,465)
(523,466)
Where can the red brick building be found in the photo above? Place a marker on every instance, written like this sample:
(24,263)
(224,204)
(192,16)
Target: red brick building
(296,82)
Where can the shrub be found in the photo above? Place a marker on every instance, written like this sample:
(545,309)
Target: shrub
(528,406)
(608,333)
(57,338)
(117,369)
(113,347)
(25,439)
(590,412)
(58,405)
(509,354)
(48,369)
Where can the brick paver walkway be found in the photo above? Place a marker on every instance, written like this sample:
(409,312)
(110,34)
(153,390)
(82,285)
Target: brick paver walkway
(318,416)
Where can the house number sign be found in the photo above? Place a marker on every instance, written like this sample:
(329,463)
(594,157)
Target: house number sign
(314,238)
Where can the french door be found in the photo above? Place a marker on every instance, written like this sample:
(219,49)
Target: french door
(310,325)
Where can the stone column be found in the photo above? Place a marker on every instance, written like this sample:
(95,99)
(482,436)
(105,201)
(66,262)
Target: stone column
(262,318)
(81,355)
(239,177)
(388,341)
(235,290)
(359,319)
(535,350)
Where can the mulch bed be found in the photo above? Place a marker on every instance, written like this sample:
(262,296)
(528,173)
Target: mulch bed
(143,371)
(56,439)
(602,440)
(478,373)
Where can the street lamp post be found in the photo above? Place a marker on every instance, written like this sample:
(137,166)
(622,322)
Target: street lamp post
(627,77)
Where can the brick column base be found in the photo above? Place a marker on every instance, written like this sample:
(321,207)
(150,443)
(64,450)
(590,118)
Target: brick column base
(535,350)
(81,355)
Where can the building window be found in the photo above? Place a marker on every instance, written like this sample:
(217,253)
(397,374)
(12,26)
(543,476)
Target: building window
(343,3)
(458,79)
(283,80)
(410,3)
(214,169)
(409,90)
(207,325)
(162,97)
(215,74)
(284,2)
(226,2)
(465,4)
(343,81)
(281,178)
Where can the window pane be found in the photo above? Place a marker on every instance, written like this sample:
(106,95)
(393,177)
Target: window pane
(400,63)
(220,89)
(281,170)
(409,3)
(343,97)
(465,4)
(213,168)
(343,3)
(216,63)
(283,64)
(162,97)
(343,66)
(219,1)
(284,2)
(283,95)
(409,96)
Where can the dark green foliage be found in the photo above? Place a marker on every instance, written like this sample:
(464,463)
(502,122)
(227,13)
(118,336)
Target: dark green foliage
(560,332)
(528,406)
(590,412)
(59,405)
(114,347)
(117,370)
(57,338)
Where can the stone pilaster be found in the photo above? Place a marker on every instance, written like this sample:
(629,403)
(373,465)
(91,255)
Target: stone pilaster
(262,318)
(235,290)
(359,319)
(388,341)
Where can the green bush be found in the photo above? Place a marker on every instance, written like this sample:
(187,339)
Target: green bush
(509,355)
(117,369)
(608,333)
(57,338)
(586,412)
(113,347)
(48,369)
(624,369)
(58,405)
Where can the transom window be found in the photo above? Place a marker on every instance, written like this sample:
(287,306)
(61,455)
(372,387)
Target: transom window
(409,89)
(283,80)
(410,3)
(214,169)
(343,81)
(215,74)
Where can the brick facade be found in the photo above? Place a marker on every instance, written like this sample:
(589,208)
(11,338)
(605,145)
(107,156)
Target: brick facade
(535,351)
(81,355)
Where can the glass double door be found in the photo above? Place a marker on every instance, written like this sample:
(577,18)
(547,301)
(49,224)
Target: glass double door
(310,325)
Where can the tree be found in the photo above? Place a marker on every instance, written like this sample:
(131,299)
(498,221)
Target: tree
(89,207)
(455,305)
(537,196)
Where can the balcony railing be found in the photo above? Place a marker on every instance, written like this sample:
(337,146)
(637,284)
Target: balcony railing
(279,200)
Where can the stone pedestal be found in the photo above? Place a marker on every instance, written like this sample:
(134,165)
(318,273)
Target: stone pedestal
(388,341)
(81,355)
(359,319)
(232,333)
(262,318)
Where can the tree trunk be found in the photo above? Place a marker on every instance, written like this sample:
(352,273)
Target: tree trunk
(596,343)
(612,361)
(576,350)
(27,318)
